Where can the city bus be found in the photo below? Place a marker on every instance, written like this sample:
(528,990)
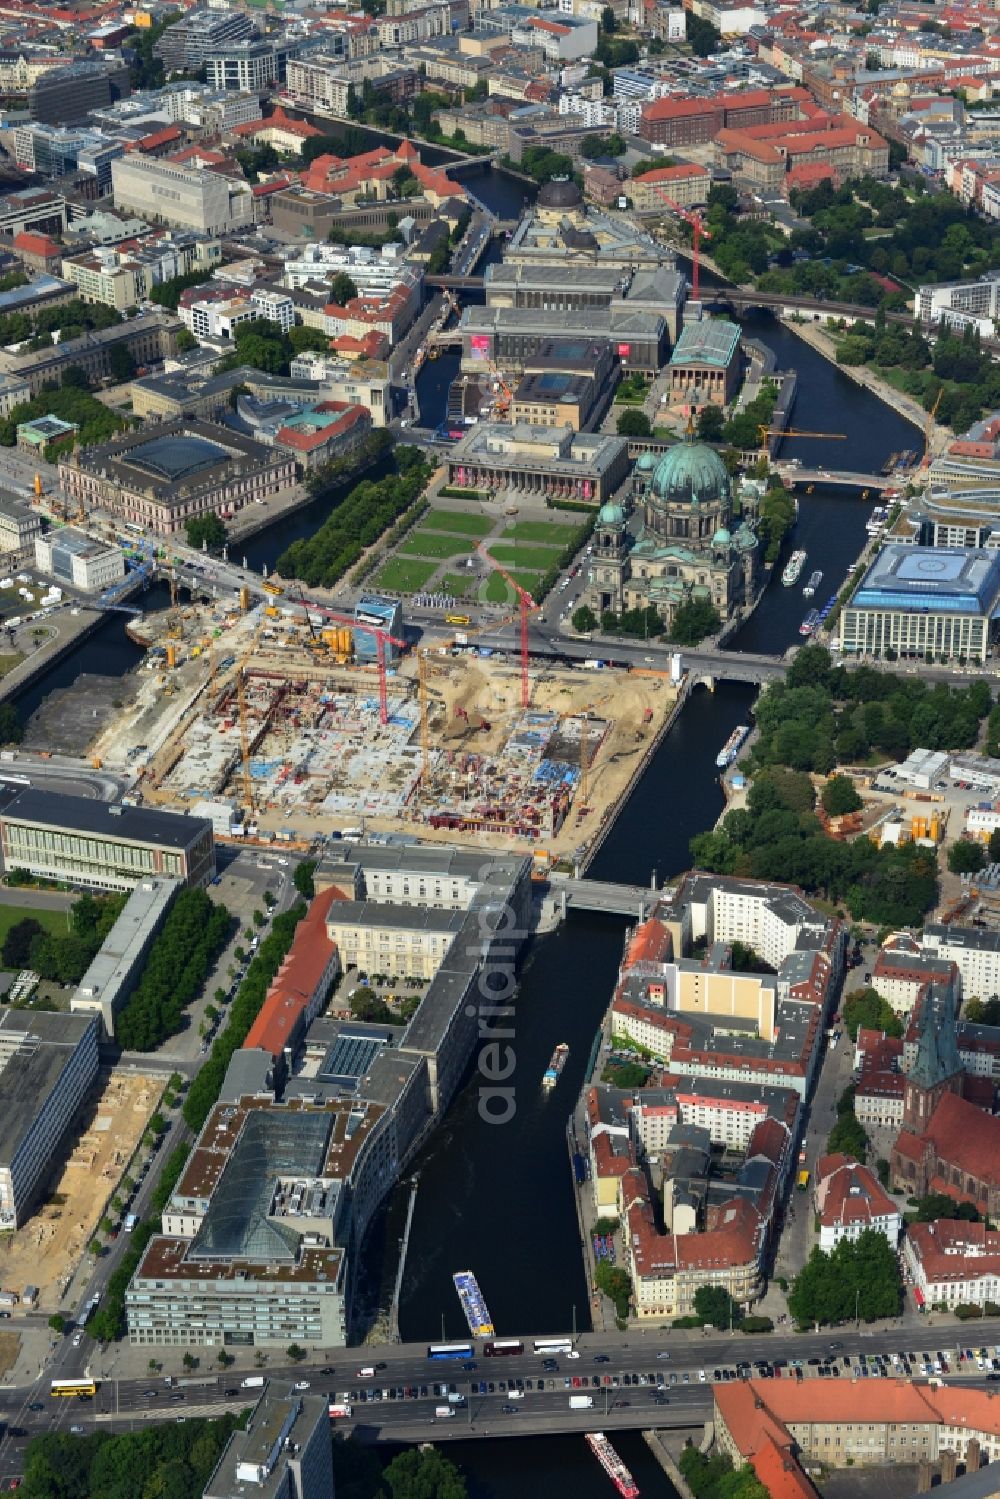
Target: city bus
(497,1346)
(81,1386)
(450,1350)
(803,1181)
(274,589)
(548,1346)
(457,619)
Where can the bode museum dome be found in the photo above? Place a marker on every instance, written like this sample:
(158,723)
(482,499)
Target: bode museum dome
(684,542)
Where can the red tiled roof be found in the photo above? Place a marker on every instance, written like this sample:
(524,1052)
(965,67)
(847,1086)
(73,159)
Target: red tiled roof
(295,983)
(37,244)
(157,138)
(672,174)
(678,109)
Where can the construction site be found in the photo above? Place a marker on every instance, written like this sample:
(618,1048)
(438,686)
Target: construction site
(283,727)
(46,1250)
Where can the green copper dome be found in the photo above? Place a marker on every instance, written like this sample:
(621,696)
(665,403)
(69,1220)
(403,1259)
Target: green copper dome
(721,538)
(645,462)
(610,514)
(691,473)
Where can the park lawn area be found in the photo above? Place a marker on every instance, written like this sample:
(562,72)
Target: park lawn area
(458,522)
(457,584)
(53,922)
(545,532)
(533,558)
(8,662)
(406,574)
(498,591)
(423,543)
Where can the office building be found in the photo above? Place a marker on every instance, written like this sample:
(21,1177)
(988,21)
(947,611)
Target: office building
(48,1064)
(961,304)
(159,477)
(249,65)
(511,336)
(975,951)
(101,845)
(184,197)
(63,96)
(32,208)
(149,337)
(19,525)
(113,974)
(73,558)
(952,1263)
(936,603)
(54,151)
(187,44)
(283,1452)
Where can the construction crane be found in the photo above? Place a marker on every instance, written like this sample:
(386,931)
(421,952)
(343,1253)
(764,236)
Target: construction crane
(698,233)
(382,639)
(764,432)
(925,461)
(502,404)
(527,607)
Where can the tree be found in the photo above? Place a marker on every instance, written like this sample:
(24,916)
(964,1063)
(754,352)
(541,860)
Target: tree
(121,365)
(866,1009)
(189,1361)
(714,1304)
(633,423)
(693,620)
(419,1473)
(342,289)
(858,1278)
(224,1359)
(303,879)
(57,1322)
(966,856)
(840,797)
(711,420)
(11,730)
(703,37)
(17,943)
(295,1353)
(584,620)
(938,1205)
(616,1284)
(207,531)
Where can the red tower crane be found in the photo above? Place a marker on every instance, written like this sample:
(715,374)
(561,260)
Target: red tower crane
(527,606)
(382,637)
(698,232)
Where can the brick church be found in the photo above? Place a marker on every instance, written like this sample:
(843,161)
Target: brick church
(948,1143)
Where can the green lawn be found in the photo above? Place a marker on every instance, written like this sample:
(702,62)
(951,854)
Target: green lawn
(498,591)
(456,583)
(51,921)
(546,532)
(405,574)
(535,559)
(423,543)
(457,521)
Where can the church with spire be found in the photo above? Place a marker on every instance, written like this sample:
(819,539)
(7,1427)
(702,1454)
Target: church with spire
(948,1143)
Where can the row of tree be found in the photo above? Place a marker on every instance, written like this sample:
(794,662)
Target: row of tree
(847,1136)
(204,1090)
(192,936)
(168,1460)
(715,1477)
(955,376)
(358,522)
(69,321)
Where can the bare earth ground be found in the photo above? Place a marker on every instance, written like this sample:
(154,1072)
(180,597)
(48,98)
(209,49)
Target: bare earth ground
(10,1346)
(44,1252)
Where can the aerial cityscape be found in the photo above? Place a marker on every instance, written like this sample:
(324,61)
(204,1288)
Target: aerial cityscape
(499,749)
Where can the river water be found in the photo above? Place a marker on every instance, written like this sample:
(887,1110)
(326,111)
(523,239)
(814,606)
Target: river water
(499,1199)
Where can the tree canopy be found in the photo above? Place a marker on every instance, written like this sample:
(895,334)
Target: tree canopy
(176,967)
(168,1460)
(693,620)
(859,1277)
(865,1009)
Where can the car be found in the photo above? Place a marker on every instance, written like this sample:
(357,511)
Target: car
(301,1384)
(76,1431)
(231,1393)
(673,1379)
(178,1395)
(382,1365)
(327,1369)
(663,1355)
(836,1344)
(470,1364)
(149,1394)
(77,1339)
(573,1353)
(687,1377)
(702,1375)
(992,1376)
(620,1405)
(604,1358)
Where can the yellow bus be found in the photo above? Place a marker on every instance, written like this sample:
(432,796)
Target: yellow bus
(803,1181)
(275,589)
(457,619)
(83,1386)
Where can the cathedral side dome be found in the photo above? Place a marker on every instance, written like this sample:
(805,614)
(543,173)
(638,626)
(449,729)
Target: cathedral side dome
(693,473)
(610,514)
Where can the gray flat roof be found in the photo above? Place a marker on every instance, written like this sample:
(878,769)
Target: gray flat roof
(403,918)
(281,1415)
(962,580)
(45,1044)
(79,814)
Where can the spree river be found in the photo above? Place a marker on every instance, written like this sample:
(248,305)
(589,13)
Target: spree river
(499,1199)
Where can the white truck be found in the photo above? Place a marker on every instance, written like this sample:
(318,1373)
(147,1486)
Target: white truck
(442,1412)
(581,1402)
(252,1382)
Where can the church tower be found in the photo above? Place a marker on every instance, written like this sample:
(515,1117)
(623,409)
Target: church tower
(937,1068)
(609,570)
